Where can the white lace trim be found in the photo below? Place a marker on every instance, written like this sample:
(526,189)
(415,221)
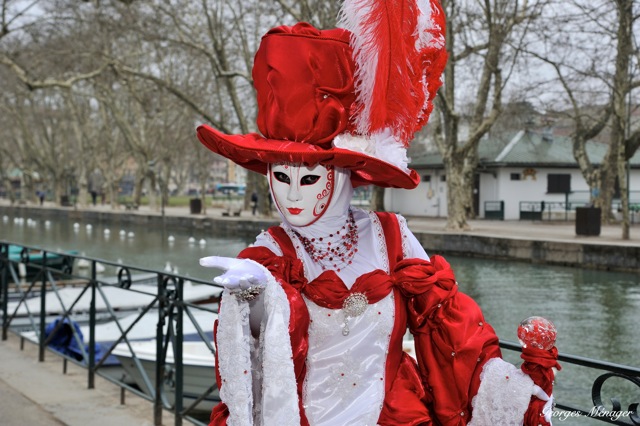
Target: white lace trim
(279,403)
(503,397)
(234,359)
(404,232)
(273,243)
(279,387)
(300,253)
(378,234)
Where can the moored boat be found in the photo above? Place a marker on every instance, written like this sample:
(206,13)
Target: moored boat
(198,366)
(33,260)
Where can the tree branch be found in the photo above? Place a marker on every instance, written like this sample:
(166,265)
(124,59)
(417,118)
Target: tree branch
(177,93)
(22,75)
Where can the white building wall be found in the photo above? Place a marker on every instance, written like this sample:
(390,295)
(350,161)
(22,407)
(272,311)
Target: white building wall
(533,187)
(634,186)
(430,198)
(489,190)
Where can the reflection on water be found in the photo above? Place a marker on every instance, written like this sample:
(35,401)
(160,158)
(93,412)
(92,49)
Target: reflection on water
(600,308)
(134,245)
(596,312)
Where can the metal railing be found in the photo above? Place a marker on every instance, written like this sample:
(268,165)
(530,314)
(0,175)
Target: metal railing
(565,210)
(494,210)
(553,210)
(27,301)
(165,386)
(611,371)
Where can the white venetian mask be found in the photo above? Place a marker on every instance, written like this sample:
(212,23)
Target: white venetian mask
(301,193)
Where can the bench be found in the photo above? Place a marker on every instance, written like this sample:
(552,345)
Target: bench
(232,212)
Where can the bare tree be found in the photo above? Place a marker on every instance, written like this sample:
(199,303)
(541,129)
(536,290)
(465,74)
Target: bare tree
(597,82)
(483,41)
(25,22)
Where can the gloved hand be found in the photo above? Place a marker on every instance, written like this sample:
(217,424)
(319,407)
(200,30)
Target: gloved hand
(241,275)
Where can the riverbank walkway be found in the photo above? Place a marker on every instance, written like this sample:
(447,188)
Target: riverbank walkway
(39,393)
(557,230)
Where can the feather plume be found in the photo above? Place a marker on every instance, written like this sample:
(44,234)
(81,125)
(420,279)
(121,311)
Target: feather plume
(399,54)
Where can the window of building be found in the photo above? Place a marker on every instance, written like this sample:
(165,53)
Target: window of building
(558,183)
(426,178)
(515,176)
(443,178)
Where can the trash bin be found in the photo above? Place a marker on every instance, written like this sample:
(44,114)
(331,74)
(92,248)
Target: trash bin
(195,205)
(588,221)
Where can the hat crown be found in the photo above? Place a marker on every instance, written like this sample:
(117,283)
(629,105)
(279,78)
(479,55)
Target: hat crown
(304,81)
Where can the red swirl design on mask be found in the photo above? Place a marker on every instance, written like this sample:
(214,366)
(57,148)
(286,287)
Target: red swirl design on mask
(322,204)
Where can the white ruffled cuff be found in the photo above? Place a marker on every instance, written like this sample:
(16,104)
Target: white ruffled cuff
(503,397)
(240,358)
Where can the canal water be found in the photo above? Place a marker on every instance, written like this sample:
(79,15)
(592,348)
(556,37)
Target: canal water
(597,313)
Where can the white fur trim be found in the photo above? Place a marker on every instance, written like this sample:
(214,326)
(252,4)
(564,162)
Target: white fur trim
(503,397)
(278,404)
(234,359)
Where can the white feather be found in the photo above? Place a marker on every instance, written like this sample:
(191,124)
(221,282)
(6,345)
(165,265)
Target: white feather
(352,14)
(426,23)
(381,145)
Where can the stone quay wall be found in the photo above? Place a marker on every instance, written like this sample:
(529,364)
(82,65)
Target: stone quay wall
(567,253)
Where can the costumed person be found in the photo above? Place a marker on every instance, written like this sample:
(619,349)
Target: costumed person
(314,314)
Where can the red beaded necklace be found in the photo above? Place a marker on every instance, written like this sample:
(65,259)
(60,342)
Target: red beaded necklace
(333,251)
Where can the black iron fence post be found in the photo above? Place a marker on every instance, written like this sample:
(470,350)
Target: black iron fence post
(43,309)
(92,328)
(4,281)
(177,352)
(160,366)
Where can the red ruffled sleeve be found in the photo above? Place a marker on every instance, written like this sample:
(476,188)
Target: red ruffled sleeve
(452,340)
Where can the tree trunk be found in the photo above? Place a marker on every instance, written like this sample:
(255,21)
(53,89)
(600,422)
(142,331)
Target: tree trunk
(10,191)
(151,191)
(58,189)
(29,189)
(265,203)
(113,194)
(608,172)
(377,199)
(459,193)
(137,189)
(164,187)
(624,199)
(203,194)
(83,188)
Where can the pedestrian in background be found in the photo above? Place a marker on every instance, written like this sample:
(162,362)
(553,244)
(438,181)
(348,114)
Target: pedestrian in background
(254,202)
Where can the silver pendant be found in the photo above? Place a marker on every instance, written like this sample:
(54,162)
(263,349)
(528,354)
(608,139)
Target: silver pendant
(353,306)
(345,328)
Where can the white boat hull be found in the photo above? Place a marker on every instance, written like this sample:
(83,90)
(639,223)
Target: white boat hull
(198,372)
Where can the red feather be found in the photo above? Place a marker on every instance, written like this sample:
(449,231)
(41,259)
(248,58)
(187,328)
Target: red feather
(392,66)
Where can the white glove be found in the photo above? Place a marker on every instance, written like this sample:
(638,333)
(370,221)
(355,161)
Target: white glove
(241,274)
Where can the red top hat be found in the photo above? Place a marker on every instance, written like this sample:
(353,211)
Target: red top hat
(352,99)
